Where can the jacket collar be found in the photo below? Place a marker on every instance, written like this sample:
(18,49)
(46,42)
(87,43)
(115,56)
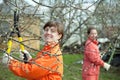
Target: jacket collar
(94,41)
(50,45)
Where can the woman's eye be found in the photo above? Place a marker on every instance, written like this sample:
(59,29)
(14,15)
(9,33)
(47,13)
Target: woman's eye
(46,29)
(53,30)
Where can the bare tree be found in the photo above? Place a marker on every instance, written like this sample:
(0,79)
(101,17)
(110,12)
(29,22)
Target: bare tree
(76,15)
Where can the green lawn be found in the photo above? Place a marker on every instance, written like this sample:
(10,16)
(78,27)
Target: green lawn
(72,70)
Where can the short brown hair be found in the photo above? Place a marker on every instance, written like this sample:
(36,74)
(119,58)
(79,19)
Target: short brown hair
(58,25)
(89,29)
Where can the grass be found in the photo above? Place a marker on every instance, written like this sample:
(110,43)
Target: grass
(72,70)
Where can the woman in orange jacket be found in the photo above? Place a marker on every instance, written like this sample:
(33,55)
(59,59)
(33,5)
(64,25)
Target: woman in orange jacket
(48,64)
(92,60)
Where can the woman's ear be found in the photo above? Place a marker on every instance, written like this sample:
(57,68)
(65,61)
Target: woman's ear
(60,36)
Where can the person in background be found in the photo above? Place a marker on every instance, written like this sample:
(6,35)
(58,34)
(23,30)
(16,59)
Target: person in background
(92,60)
(48,64)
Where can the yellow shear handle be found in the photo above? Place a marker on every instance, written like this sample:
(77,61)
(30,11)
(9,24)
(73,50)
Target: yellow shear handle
(21,46)
(9,46)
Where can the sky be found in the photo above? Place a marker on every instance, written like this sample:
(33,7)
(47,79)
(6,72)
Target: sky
(86,5)
(28,1)
(87,2)
(31,2)
(1,1)
(34,4)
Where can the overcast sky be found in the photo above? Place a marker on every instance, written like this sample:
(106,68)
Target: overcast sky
(1,1)
(31,2)
(28,1)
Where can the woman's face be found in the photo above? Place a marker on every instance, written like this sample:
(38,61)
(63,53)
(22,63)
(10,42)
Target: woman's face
(93,34)
(51,34)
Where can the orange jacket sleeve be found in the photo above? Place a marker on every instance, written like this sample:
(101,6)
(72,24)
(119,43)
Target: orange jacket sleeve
(38,67)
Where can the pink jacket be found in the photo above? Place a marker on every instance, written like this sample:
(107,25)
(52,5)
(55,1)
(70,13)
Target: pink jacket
(92,60)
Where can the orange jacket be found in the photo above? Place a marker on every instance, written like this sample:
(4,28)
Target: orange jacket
(46,66)
(92,59)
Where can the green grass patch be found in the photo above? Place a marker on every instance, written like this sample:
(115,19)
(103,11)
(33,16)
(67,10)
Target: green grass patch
(72,70)
(72,67)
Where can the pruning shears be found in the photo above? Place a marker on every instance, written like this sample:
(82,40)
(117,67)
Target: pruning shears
(17,31)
